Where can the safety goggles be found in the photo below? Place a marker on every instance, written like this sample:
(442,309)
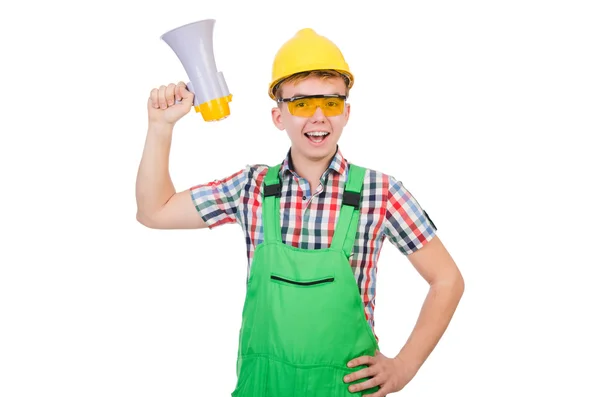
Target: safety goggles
(306,106)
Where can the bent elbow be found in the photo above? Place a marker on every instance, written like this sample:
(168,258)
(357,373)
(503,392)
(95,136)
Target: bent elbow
(144,220)
(459,285)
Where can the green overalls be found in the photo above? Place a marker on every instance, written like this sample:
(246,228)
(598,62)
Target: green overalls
(303,317)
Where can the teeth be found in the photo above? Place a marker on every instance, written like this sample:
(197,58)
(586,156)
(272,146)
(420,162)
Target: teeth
(317,133)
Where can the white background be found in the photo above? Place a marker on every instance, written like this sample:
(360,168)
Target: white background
(486,111)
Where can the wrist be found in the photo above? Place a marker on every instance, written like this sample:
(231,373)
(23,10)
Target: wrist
(409,365)
(160,128)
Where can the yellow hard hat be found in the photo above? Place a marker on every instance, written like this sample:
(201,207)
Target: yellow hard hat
(304,52)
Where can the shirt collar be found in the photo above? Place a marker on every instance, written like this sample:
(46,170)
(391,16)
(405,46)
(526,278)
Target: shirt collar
(337,164)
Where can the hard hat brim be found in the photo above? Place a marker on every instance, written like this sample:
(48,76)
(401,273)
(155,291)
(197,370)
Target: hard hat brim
(275,83)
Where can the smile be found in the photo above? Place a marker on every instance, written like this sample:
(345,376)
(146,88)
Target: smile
(317,137)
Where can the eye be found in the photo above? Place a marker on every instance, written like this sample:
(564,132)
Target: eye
(332,104)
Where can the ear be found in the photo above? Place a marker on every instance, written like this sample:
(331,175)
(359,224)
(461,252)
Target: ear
(277,118)
(347,114)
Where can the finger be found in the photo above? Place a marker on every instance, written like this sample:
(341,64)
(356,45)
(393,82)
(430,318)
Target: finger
(170,94)
(363,360)
(162,99)
(360,374)
(179,90)
(367,384)
(154,98)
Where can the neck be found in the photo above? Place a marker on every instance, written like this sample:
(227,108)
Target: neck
(310,168)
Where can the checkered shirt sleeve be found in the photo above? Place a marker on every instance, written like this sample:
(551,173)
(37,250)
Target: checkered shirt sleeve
(407,226)
(217,202)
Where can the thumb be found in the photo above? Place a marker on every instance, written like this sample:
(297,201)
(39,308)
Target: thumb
(182,93)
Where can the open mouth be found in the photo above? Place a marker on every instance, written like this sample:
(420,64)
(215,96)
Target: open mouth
(317,137)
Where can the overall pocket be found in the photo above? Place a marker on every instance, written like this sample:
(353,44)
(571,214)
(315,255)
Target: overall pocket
(304,283)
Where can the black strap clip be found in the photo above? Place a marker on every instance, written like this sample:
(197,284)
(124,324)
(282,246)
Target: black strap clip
(273,190)
(351,198)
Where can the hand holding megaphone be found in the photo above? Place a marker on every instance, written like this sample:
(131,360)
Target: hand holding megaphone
(167,104)
(193,45)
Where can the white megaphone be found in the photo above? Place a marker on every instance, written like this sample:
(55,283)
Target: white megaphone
(193,45)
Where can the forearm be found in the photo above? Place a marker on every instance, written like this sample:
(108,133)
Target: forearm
(154,186)
(434,318)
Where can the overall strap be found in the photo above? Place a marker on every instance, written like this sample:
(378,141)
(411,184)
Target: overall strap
(347,225)
(270,207)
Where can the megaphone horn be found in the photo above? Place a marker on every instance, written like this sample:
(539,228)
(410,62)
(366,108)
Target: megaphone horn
(193,45)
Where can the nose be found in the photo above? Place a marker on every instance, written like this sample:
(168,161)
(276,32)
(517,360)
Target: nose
(318,115)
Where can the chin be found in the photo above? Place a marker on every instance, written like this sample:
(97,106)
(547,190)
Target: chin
(318,152)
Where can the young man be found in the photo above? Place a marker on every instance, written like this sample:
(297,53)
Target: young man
(314,227)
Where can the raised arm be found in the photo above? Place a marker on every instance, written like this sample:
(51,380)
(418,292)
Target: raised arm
(159,206)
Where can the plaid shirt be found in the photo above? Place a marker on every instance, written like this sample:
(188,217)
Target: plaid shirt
(308,218)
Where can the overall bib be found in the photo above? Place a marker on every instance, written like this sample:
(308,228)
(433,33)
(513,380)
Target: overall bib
(303,317)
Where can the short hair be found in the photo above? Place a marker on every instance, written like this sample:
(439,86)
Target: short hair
(323,74)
